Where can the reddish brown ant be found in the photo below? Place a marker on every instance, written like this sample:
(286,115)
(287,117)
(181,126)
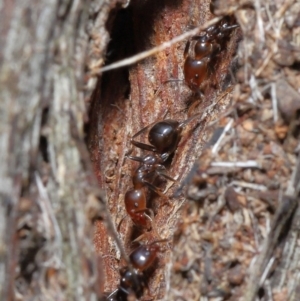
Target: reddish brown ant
(132,281)
(201,58)
(201,54)
(135,199)
(164,137)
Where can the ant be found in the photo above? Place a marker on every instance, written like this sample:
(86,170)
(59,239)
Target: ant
(135,199)
(132,281)
(163,137)
(200,60)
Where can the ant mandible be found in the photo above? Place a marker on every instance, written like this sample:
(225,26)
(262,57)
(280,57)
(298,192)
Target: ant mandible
(132,281)
(202,57)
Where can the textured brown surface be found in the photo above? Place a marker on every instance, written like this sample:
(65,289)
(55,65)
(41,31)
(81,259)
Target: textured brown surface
(235,234)
(121,117)
(48,193)
(231,218)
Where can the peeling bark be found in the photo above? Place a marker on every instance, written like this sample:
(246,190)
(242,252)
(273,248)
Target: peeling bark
(48,191)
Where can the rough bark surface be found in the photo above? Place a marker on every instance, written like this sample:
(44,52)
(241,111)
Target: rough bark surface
(119,115)
(230,218)
(49,195)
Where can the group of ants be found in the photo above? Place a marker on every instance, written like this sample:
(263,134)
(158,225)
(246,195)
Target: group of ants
(200,55)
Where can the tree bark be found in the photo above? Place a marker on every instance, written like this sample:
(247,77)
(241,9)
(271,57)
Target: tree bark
(48,191)
(65,129)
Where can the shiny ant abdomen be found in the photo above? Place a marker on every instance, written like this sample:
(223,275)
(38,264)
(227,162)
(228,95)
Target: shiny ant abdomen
(136,207)
(195,72)
(135,199)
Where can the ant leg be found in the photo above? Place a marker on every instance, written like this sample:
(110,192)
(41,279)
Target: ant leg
(155,189)
(225,28)
(184,123)
(195,38)
(143,146)
(129,152)
(186,49)
(140,144)
(134,158)
(112,294)
(159,192)
(192,109)
(143,130)
(138,159)
(140,218)
(160,171)
(129,292)
(153,225)
(150,217)
(119,226)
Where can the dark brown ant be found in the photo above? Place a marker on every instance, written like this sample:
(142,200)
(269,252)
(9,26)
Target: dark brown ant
(163,137)
(201,58)
(132,281)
